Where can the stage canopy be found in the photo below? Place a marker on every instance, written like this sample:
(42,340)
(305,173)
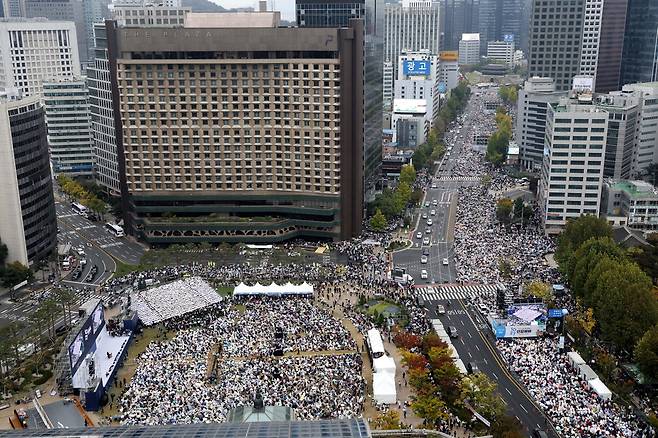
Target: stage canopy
(600,389)
(383,388)
(273,290)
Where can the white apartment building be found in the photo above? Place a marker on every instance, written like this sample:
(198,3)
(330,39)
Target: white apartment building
(502,51)
(409,122)
(636,202)
(409,26)
(535,96)
(572,170)
(469,49)
(68,121)
(416,79)
(35,50)
(448,77)
(387,89)
(646,135)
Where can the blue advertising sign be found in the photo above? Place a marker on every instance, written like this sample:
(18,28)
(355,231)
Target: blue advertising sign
(555,313)
(508,37)
(442,87)
(411,68)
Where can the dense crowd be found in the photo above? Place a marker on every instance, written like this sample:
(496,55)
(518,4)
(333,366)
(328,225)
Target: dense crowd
(171,382)
(575,410)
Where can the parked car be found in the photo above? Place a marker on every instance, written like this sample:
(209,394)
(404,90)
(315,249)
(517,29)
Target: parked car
(472,368)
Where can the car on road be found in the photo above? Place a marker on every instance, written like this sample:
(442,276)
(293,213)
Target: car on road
(472,368)
(435,202)
(433,185)
(452,331)
(423,274)
(426,241)
(440,310)
(432,212)
(424,215)
(423,259)
(445,262)
(426,251)
(427,203)
(429,222)
(419,235)
(428,231)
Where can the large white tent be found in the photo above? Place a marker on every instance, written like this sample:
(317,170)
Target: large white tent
(600,389)
(384,364)
(575,359)
(383,388)
(273,290)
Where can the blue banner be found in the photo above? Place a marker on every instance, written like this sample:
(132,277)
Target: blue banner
(508,37)
(412,68)
(442,87)
(555,313)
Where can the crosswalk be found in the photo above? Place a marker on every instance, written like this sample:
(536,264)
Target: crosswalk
(459,178)
(438,293)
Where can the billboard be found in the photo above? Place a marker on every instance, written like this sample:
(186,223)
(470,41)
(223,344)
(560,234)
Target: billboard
(414,68)
(583,83)
(508,37)
(86,338)
(442,87)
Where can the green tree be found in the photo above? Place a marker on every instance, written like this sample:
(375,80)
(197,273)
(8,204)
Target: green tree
(504,210)
(506,426)
(389,420)
(378,221)
(65,298)
(505,268)
(408,174)
(497,148)
(486,180)
(430,408)
(15,273)
(625,307)
(577,232)
(539,289)
(480,392)
(586,257)
(4,252)
(647,257)
(401,197)
(646,352)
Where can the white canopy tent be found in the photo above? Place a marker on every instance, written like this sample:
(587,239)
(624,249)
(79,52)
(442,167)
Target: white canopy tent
(600,389)
(586,372)
(383,388)
(575,359)
(273,290)
(384,364)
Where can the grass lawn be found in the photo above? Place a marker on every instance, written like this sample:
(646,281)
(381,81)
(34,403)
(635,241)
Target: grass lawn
(124,269)
(224,290)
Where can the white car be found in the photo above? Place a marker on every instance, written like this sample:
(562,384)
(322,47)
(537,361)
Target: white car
(429,222)
(428,231)
(424,215)
(440,309)
(419,235)
(435,202)
(427,203)
(433,213)
(423,274)
(423,259)
(426,241)
(433,185)
(445,262)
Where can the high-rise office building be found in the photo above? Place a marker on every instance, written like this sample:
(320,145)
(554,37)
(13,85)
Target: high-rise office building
(646,141)
(82,12)
(534,98)
(28,225)
(556,29)
(240,134)
(500,20)
(337,13)
(411,26)
(501,51)
(448,77)
(572,169)
(68,122)
(640,55)
(469,49)
(417,79)
(13,8)
(106,160)
(35,50)
(604,22)
(623,113)
(458,17)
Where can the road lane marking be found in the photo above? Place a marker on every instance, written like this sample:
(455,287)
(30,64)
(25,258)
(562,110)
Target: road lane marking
(524,409)
(469,335)
(494,374)
(508,391)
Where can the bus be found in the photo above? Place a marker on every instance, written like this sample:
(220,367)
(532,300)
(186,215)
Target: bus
(80,209)
(375,344)
(114,229)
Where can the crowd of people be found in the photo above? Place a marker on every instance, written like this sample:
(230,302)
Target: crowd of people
(575,410)
(171,384)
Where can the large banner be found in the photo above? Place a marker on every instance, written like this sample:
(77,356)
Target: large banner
(85,339)
(412,68)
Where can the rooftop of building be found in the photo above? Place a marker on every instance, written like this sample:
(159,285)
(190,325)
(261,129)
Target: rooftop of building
(352,428)
(232,19)
(636,189)
(410,106)
(567,106)
(470,37)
